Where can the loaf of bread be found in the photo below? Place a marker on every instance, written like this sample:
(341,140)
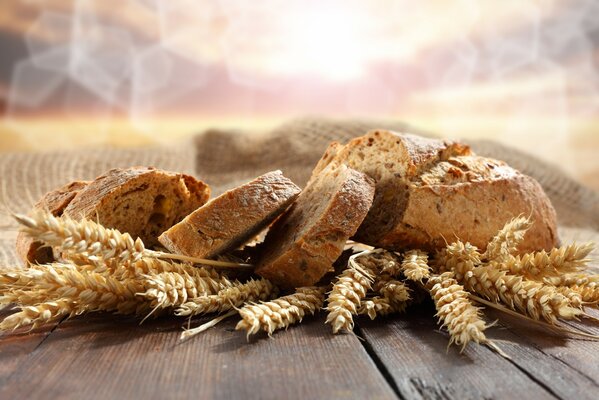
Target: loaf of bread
(303,243)
(233,218)
(429,191)
(53,202)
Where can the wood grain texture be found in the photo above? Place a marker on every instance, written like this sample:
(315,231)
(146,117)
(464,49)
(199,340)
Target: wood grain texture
(413,352)
(103,357)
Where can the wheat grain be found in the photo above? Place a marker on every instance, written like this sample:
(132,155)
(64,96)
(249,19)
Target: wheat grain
(455,311)
(415,265)
(532,298)
(282,312)
(234,296)
(348,290)
(506,241)
(573,279)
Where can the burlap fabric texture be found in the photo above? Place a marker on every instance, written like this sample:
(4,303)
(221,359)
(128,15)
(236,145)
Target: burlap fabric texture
(225,159)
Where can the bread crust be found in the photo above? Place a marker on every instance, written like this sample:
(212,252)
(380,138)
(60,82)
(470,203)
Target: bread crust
(233,218)
(431,191)
(300,248)
(55,201)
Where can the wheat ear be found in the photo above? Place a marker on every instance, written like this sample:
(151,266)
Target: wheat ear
(531,298)
(506,241)
(455,311)
(537,266)
(348,290)
(415,265)
(381,306)
(574,279)
(234,296)
(98,245)
(90,291)
(39,314)
(282,312)
(171,289)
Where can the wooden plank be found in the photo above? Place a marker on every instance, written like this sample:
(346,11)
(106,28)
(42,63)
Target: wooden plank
(414,353)
(107,357)
(15,347)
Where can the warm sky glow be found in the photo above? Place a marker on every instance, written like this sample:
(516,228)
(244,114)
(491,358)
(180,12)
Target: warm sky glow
(149,69)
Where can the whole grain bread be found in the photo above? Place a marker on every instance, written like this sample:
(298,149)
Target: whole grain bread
(303,243)
(54,202)
(233,218)
(143,201)
(429,191)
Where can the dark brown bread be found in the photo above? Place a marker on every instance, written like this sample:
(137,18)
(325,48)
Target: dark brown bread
(143,201)
(233,218)
(54,202)
(303,243)
(429,191)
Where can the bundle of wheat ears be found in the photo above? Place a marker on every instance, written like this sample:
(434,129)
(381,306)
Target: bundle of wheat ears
(103,269)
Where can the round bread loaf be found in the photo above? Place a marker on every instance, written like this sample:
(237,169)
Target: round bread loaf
(431,191)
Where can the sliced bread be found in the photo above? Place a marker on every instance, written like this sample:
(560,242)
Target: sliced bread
(233,218)
(303,243)
(53,202)
(429,191)
(143,201)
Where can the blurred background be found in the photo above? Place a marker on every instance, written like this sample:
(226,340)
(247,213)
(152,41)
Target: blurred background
(130,72)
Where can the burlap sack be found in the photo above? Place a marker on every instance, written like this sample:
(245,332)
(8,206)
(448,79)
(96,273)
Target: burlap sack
(226,158)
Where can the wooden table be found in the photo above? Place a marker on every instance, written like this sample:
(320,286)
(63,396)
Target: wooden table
(406,356)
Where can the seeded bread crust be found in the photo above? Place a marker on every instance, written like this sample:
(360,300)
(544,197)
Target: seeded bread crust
(233,218)
(429,191)
(143,201)
(54,202)
(303,243)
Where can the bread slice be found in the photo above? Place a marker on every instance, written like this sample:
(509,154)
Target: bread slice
(233,218)
(429,191)
(143,201)
(303,243)
(54,202)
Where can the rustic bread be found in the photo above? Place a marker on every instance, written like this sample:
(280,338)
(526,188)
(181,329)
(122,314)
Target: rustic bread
(233,218)
(429,191)
(303,243)
(53,202)
(143,201)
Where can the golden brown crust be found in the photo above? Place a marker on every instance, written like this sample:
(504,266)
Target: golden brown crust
(233,218)
(303,243)
(143,201)
(429,191)
(54,202)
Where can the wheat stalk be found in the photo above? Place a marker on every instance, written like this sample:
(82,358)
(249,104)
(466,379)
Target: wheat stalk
(348,291)
(506,241)
(532,298)
(415,265)
(282,312)
(455,311)
(96,244)
(234,296)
